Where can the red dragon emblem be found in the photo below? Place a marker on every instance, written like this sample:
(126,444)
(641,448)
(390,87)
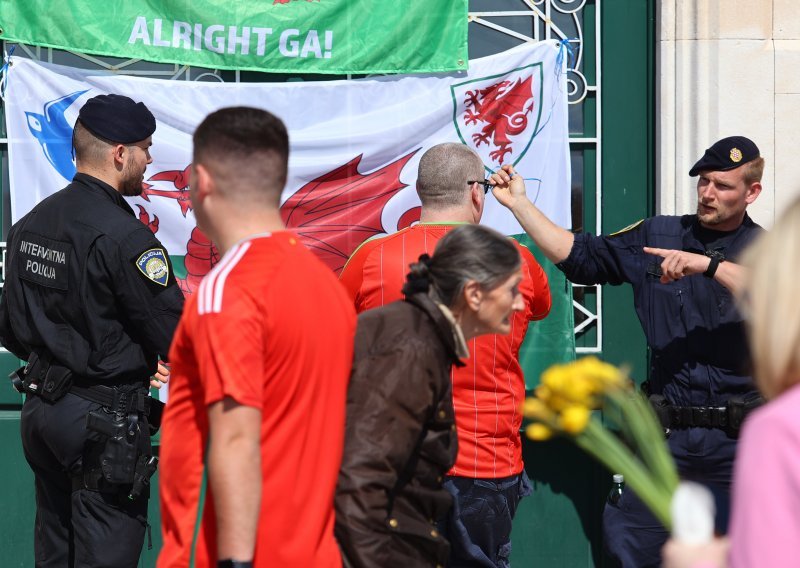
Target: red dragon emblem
(504,108)
(180,179)
(332,214)
(338,211)
(201,256)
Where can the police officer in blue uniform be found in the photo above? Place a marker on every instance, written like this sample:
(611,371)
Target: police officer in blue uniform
(90,301)
(683,271)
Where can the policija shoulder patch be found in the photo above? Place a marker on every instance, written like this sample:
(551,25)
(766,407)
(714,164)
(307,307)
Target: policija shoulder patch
(153,264)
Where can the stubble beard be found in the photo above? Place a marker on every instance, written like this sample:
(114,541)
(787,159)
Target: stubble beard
(131,184)
(710,219)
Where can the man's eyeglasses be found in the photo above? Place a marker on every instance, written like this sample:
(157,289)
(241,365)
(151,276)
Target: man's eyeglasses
(485,183)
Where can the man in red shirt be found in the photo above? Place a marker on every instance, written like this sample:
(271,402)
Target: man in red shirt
(488,391)
(260,365)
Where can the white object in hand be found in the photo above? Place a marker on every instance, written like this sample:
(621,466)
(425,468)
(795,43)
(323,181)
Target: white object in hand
(693,512)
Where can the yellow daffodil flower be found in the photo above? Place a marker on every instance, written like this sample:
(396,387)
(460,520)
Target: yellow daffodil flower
(538,432)
(536,409)
(573,419)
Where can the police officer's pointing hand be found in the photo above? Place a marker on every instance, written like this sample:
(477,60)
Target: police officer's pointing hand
(679,263)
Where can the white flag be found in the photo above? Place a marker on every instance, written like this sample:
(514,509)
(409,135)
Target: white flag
(355,145)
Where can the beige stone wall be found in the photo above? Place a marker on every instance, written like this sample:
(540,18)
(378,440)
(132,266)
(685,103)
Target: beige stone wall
(728,67)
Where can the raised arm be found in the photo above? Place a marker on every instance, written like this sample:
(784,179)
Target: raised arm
(509,189)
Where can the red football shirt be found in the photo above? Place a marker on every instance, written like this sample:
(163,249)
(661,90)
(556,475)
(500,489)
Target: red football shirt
(488,391)
(270,328)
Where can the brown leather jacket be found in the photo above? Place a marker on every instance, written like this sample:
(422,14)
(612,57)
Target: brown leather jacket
(400,438)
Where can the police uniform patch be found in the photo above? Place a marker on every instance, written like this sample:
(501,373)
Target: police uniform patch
(153,264)
(43,261)
(630,227)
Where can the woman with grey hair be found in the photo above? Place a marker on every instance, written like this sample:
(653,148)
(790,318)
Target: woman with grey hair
(400,436)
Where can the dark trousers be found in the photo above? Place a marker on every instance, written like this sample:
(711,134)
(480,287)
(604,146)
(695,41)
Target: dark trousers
(632,535)
(479,524)
(80,528)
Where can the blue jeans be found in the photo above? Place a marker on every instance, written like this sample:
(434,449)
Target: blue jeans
(478,526)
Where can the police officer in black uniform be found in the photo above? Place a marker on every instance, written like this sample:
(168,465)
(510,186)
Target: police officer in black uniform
(91,303)
(682,270)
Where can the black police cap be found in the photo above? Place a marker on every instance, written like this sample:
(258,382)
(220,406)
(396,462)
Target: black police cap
(117,119)
(727,154)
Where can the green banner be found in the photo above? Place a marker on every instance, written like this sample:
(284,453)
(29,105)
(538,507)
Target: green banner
(279,36)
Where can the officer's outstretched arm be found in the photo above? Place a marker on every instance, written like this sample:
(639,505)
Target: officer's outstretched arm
(509,190)
(680,263)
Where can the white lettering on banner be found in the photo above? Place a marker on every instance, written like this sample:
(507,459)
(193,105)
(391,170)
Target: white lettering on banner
(182,33)
(198,35)
(289,48)
(139,31)
(215,44)
(261,44)
(232,40)
(157,41)
(311,45)
(244,40)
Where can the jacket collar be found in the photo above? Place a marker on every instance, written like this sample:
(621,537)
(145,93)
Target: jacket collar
(443,326)
(692,230)
(458,335)
(102,189)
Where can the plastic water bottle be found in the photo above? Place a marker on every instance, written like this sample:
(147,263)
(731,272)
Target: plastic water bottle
(616,490)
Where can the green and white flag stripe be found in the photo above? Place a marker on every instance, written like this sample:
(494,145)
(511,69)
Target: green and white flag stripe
(280,36)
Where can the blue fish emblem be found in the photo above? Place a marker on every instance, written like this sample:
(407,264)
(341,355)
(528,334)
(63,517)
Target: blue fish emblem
(54,133)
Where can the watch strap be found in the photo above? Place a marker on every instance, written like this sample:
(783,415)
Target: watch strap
(229,563)
(716,257)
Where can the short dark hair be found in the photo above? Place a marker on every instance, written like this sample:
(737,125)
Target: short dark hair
(468,252)
(247,148)
(89,147)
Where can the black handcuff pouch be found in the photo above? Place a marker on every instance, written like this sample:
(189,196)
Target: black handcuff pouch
(42,377)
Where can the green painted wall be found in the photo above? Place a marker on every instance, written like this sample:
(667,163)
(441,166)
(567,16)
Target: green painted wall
(560,525)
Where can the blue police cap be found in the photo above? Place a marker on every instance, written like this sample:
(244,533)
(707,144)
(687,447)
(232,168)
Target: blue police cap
(117,119)
(727,154)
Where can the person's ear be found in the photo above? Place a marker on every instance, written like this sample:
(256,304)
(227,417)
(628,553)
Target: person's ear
(753,192)
(473,295)
(119,155)
(477,200)
(202,182)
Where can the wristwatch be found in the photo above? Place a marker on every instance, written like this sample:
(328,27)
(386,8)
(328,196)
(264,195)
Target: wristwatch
(716,257)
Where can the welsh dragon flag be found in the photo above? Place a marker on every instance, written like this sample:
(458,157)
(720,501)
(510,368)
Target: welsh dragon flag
(355,147)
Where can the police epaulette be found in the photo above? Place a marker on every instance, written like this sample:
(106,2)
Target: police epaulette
(630,227)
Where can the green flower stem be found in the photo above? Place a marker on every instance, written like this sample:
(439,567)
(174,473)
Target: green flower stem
(606,448)
(660,460)
(642,425)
